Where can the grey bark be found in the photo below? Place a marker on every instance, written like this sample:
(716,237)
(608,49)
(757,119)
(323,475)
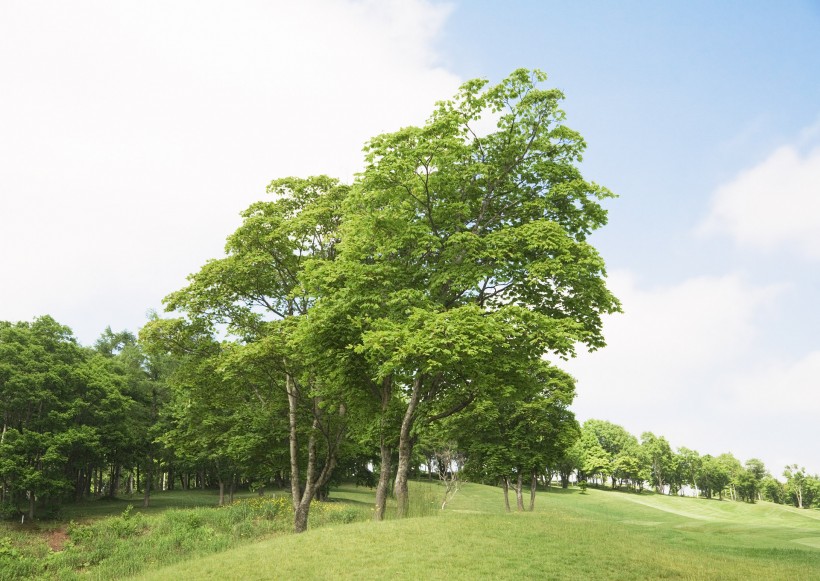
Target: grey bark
(519,495)
(406,449)
(505,485)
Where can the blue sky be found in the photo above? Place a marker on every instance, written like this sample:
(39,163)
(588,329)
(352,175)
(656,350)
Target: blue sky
(133,134)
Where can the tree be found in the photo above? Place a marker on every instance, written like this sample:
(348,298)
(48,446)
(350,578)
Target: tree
(689,466)
(772,489)
(457,247)
(795,483)
(713,476)
(594,460)
(514,438)
(749,481)
(661,460)
(257,292)
(621,460)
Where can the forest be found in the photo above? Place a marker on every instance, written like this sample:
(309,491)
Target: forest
(409,324)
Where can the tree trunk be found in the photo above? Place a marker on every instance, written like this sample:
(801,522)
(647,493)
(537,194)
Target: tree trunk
(295,489)
(384,480)
(221,492)
(78,486)
(146,497)
(519,494)
(533,487)
(313,482)
(300,518)
(406,449)
(505,485)
(386,453)
(114,484)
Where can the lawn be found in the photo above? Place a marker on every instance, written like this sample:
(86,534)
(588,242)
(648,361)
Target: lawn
(601,533)
(604,534)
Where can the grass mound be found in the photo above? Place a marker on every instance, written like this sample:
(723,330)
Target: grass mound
(571,535)
(600,534)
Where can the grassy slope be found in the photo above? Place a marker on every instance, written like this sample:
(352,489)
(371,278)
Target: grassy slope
(609,535)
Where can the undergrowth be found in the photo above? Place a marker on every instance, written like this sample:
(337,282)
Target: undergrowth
(124,545)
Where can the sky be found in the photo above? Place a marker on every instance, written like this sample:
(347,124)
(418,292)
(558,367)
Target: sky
(132,134)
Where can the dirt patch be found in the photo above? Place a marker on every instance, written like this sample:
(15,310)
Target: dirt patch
(57,539)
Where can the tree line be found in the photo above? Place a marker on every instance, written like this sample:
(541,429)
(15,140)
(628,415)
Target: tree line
(607,454)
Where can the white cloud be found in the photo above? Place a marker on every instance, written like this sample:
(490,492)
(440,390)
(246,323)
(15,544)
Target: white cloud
(132,134)
(774,205)
(688,361)
(670,339)
(779,386)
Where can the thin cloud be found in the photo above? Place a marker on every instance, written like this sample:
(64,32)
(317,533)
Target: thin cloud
(133,134)
(772,206)
(688,361)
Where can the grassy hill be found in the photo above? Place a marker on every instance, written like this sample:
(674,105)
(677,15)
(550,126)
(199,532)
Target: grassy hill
(605,534)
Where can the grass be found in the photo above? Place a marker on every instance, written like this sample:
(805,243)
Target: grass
(101,546)
(570,535)
(603,534)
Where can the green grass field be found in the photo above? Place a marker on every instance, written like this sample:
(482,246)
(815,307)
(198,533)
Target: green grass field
(600,533)
(603,534)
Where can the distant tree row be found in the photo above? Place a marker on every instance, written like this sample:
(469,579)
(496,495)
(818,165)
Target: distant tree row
(115,418)
(607,453)
(75,420)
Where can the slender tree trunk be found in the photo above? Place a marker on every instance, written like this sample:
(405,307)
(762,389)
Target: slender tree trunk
(533,487)
(78,487)
(221,492)
(406,449)
(302,496)
(295,489)
(146,497)
(114,485)
(384,480)
(386,452)
(519,494)
(505,485)
(302,509)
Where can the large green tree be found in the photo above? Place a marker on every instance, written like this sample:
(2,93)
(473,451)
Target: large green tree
(459,246)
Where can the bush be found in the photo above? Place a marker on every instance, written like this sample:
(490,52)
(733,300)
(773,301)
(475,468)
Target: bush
(8,511)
